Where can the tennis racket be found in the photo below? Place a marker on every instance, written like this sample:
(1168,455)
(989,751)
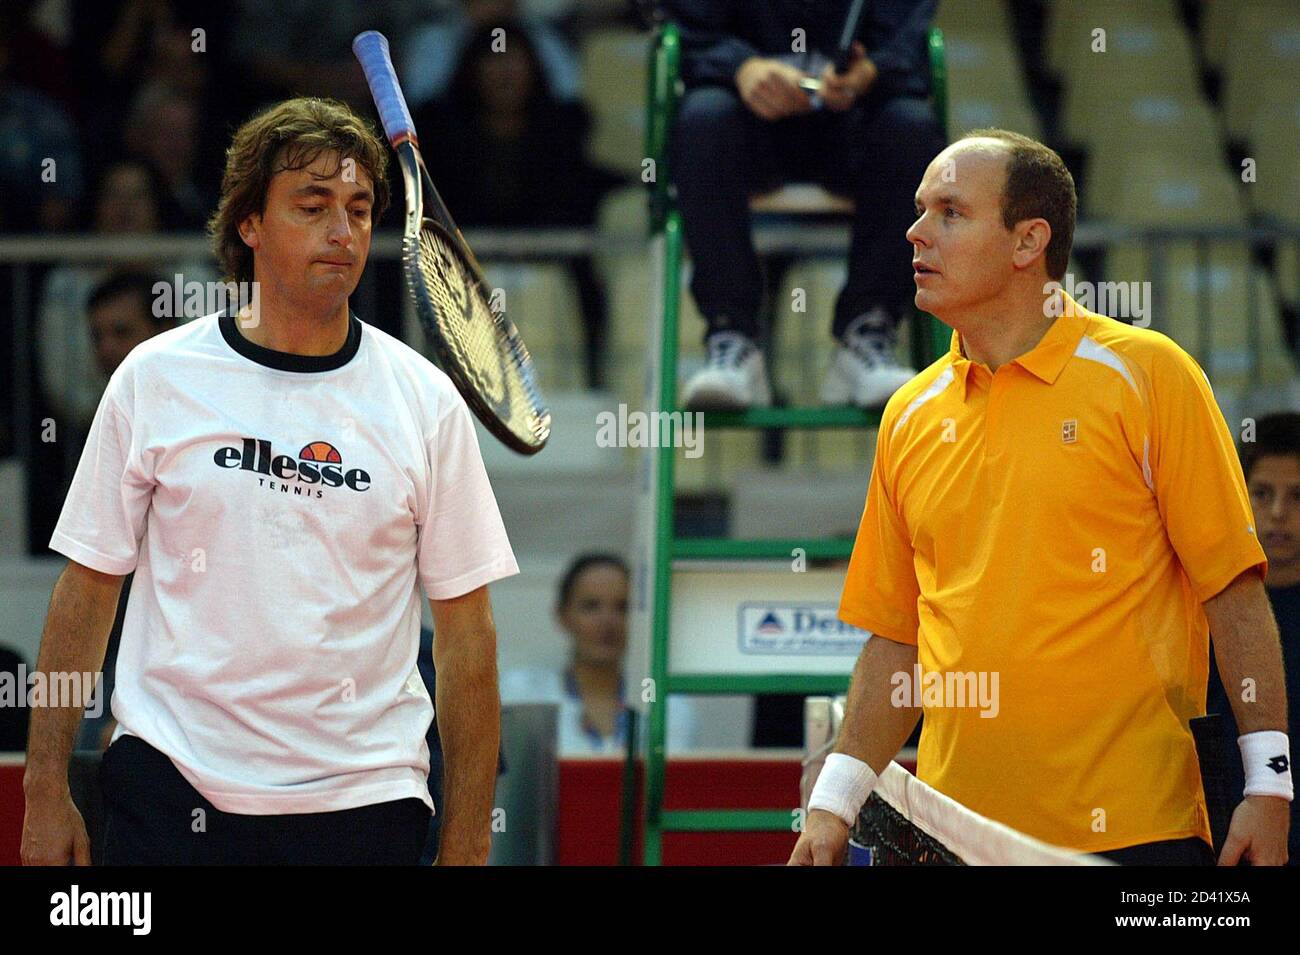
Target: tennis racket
(477,345)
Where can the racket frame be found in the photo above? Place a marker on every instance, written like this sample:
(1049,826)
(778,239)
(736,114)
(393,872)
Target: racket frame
(419,186)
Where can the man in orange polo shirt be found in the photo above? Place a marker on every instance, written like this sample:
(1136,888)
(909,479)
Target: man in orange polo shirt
(1056,523)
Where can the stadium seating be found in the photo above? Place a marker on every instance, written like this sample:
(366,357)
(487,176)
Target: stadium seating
(542,300)
(1223,19)
(1287,272)
(972,17)
(1274,133)
(1149,59)
(983,62)
(1220,307)
(1159,122)
(1162,188)
(617,98)
(1070,26)
(801,198)
(986,82)
(1260,63)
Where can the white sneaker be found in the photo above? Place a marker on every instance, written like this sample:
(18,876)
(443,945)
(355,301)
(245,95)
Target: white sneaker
(864,370)
(733,378)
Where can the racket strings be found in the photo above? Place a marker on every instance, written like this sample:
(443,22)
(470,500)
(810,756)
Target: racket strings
(485,343)
(463,311)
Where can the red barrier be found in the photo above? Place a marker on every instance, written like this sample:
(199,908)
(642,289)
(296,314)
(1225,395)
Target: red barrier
(11,807)
(591,798)
(589,815)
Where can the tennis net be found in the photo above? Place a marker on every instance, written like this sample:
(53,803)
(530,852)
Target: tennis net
(906,822)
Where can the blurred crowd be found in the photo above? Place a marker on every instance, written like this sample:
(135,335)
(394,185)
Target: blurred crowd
(162,83)
(115,116)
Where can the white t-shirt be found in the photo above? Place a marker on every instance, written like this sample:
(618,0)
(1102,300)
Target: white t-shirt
(278,511)
(575,736)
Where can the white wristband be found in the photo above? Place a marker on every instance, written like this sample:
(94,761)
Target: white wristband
(842,787)
(1266,758)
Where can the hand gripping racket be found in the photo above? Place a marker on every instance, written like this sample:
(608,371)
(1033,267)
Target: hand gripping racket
(477,345)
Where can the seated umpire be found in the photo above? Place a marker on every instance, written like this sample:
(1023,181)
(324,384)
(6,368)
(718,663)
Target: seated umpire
(745,126)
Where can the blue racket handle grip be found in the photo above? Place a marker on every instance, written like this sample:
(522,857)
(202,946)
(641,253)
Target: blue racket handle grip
(371,49)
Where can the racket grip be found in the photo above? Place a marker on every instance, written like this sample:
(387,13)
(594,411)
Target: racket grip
(371,49)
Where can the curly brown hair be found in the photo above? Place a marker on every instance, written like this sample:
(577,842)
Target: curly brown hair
(290,135)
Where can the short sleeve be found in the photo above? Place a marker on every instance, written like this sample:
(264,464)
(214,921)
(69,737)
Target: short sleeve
(880,588)
(1197,479)
(462,540)
(103,516)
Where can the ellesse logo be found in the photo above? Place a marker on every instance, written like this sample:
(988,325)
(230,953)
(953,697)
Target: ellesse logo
(319,462)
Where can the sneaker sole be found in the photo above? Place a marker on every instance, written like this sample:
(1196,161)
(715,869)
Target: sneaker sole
(705,399)
(838,391)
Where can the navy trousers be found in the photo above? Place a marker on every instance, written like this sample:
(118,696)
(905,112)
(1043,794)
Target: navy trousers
(150,813)
(873,153)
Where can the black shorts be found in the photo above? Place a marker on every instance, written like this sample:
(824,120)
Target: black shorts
(153,816)
(1190,851)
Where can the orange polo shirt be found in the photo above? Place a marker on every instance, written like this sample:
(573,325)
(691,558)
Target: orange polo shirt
(1058,524)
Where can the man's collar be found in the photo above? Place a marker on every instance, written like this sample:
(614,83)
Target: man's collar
(1044,361)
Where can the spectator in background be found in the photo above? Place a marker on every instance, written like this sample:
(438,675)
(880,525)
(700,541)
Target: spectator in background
(156,41)
(511,155)
(40,159)
(38,48)
(162,131)
(13,718)
(125,43)
(71,380)
(591,608)
(1272,467)
(126,46)
(120,314)
(127,203)
(745,126)
(432,50)
(304,47)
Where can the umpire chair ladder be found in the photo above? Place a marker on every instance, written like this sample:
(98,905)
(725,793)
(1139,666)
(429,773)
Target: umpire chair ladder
(664,548)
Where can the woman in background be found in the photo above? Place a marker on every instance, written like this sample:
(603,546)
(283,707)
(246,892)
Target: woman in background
(512,155)
(591,608)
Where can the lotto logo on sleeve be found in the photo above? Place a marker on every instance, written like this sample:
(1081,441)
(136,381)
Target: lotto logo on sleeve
(318,463)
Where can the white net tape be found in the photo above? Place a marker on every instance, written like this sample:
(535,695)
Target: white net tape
(977,839)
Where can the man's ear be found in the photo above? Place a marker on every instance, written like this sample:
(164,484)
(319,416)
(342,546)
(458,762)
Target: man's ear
(250,230)
(1032,238)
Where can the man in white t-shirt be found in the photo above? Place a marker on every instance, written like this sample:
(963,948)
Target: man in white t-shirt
(282,480)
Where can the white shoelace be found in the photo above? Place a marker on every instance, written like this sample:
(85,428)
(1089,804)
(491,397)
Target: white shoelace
(728,349)
(871,342)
